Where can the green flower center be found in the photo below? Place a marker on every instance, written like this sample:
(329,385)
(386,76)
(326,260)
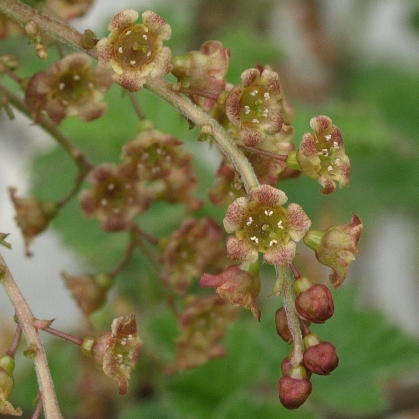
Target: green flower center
(74,87)
(135,47)
(266,227)
(254,105)
(328,152)
(115,194)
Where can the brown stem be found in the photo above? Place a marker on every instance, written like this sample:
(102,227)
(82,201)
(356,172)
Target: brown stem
(23,14)
(16,340)
(264,153)
(26,320)
(137,107)
(63,335)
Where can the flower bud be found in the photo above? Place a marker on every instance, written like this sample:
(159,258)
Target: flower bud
(294,388)
(314,302)
(281,323)
(320,357)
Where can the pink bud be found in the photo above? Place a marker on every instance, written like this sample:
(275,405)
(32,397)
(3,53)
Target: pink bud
(281,324)
(315,304)
(293,392)
(321,358)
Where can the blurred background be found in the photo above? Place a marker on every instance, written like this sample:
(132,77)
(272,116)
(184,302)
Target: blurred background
(356,61)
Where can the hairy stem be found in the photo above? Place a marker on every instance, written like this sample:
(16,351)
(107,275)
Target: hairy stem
(293,320)
(26,320)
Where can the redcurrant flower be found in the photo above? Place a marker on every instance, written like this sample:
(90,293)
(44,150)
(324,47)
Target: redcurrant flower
(32,216)
(322,156)
(254,106)
(320,357)
(115,198)
(202,325)
(89,291)
(116,352)
(294,387)
(153,154)
(7,365)
(70,87)
(196,247)
(263,225)
(237,285)
(201,73)
(336,247)
(135,52)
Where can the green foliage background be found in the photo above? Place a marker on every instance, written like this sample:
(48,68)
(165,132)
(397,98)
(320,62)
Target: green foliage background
(376,108)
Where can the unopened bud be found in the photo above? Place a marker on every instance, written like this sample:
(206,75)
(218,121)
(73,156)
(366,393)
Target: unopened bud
(294,388)
(315,301)
(320,357)
(281,324)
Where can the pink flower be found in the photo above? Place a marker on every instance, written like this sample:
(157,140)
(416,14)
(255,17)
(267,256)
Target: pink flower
(70,87)
(255,105)
(237,286)
(116,352)
(322,156)
(336,247)
(115,198)
(135,52)
(263,225)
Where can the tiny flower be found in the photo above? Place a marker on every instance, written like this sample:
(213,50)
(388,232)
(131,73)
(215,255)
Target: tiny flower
(115,198)
(322,156)
(314,301)
(89,291)
(237,285)
(294,388)
(135,52)
(153,154)
(281,324)
(201,73)
(202,325)
(197,246)
(263,225)
(319,357)
(254,106)
(116,352)
(7,365)
(70,87)
(336,247)
(32,216)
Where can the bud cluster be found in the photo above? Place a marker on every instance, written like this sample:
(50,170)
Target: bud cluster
(313,304)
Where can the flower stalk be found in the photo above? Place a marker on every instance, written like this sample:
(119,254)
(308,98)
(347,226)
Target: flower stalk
(26,320)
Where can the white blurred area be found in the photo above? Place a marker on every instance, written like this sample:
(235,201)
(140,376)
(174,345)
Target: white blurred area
(375,30)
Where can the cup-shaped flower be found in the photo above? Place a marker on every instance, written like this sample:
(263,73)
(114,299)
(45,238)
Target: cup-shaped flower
(263,225)
(322,156)
(116,352)
(115,198)
(197,246)
(254,105)
(89,291)
(202,326)
(70,87)
(7,365)
(135,52)
(32,216)
(237,285)
(336,247)
(153,154)
(201,73)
